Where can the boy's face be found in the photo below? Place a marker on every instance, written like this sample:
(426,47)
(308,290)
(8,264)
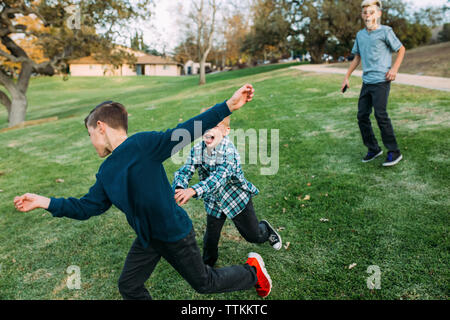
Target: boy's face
(99,140)
(371,16)
(214,136)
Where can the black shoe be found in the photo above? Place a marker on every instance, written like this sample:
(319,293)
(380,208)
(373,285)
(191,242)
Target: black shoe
(393,158)
(274,237)
(372,155)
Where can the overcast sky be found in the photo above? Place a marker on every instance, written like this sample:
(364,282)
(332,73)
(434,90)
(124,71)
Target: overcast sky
(162,29)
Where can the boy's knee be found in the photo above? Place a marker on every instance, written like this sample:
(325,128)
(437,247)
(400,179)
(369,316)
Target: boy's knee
(363,116)
(201,286)
(381,117)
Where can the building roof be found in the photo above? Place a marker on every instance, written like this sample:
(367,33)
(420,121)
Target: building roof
(143,59)
(149,59)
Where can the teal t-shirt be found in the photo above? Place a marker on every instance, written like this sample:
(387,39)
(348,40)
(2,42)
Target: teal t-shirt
(375,49)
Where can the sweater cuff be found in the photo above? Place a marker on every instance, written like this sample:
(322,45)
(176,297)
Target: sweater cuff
(223,110)
(55,207)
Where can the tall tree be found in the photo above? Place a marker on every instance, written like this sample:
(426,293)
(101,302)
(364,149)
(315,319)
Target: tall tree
(268,37)
(203,18)
(68,30)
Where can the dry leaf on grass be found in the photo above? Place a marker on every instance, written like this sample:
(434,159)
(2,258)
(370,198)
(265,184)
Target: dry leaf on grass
(324,220)
(286,246)
(59,180)
(280,228)
(307,197)
(284,210)
(352,266)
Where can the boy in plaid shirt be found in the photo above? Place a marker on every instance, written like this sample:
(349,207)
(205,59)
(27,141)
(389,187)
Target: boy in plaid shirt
(224,190)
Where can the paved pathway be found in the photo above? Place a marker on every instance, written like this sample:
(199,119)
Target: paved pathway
(436,83)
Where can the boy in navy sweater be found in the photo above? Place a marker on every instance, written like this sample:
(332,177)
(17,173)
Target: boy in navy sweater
(134,180)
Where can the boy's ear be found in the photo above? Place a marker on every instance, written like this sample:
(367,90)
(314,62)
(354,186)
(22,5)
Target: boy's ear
(101,126)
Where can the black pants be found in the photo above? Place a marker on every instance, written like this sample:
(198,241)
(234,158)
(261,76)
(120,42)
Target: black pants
(247,224)
(184,256)
(376,95)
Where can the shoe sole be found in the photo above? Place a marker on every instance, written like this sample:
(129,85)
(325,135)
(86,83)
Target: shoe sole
(263,269)
(393,163)
(279,237)
(375,156)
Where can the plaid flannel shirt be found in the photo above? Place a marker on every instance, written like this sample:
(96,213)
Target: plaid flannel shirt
(222,185)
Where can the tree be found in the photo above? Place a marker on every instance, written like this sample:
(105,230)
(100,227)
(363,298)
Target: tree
(65,30)
(203,17)
(236,28)
(444,35)
(312,21)
(186,50)
(268,36)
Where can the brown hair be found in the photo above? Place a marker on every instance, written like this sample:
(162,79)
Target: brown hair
(112,113)
(225,121)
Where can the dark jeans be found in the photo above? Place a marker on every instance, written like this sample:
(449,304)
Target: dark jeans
(247,224)
(184,256)
(376,95)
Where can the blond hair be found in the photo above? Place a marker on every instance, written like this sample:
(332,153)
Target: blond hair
(225,121)
(367,3)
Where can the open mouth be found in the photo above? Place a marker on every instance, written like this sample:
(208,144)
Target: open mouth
(209,138)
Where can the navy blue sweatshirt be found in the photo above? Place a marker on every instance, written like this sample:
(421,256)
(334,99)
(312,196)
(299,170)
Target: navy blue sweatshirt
(134,180)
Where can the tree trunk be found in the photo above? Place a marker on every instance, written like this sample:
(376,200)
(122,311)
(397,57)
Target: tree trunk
(18,109)
(316,53)
(4,99)
(202,79)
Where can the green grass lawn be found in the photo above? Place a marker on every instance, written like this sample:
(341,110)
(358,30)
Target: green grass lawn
(396,218)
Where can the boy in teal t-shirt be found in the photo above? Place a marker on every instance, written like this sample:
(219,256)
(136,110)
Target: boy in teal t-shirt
(373,47)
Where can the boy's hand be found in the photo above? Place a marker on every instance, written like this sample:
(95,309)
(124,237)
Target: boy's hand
(345,85)
(241,97)
(391,74)
(182,196)
(29,201)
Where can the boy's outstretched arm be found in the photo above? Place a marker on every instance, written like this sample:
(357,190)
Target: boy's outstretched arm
(92,204)
(392,74)
(183,175)
(219,178)
(353,66)
(161,145)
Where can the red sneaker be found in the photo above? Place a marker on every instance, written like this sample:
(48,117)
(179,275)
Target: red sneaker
(264,283)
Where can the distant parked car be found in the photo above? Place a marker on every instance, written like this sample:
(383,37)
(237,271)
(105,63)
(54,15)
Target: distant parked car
(350,57)
(341,59)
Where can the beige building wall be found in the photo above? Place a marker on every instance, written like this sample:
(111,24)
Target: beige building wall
(162,70)
(99,70)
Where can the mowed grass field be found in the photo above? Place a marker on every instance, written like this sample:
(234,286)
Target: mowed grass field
(358,215)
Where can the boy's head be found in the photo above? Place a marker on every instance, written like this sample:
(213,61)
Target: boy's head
(105,123)
(371,13)
(214,136)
